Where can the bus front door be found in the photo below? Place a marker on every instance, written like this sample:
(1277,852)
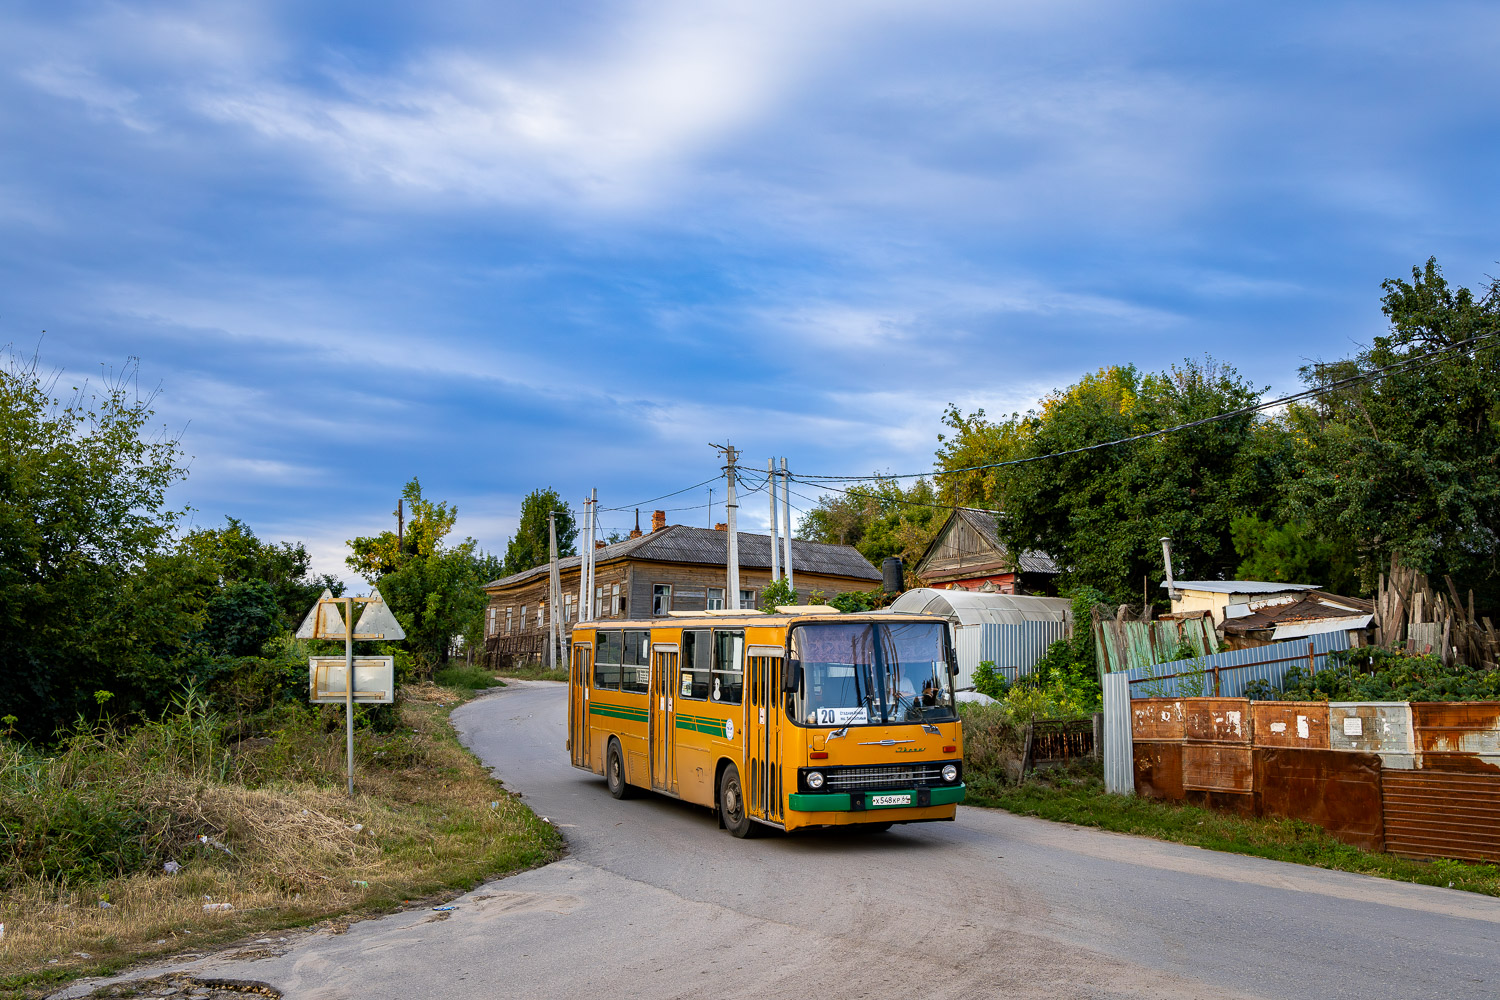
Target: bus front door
(663,761)
(765,739)
(578,706)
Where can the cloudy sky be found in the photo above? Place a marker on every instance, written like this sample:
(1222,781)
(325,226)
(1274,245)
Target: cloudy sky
(501,245)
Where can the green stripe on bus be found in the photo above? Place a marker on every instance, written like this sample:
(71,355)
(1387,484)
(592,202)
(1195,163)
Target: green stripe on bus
(618,712)
(713,727)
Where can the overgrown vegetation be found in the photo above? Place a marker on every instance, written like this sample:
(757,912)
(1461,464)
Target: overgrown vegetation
(157,819)
(1373,673)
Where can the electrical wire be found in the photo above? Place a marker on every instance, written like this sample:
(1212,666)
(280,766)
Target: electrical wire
(1411,362)
(642,503)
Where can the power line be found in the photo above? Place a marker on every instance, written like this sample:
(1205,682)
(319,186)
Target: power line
(1414,362)
(642,503)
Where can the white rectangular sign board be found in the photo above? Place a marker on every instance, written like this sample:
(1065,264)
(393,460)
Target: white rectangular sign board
(374,680)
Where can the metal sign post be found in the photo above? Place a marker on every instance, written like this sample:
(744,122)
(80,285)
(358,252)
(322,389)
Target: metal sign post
(349,687)
(375,623)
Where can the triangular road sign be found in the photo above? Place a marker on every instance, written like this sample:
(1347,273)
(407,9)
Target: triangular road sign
(377,621)
(330,627)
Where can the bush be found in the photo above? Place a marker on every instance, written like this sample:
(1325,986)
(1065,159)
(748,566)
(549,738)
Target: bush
(1373,673)
(989,681)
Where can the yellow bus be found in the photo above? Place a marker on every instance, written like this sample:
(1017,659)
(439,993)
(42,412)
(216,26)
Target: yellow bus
(808,718)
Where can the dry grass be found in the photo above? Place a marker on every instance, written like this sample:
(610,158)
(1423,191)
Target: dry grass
(426,819)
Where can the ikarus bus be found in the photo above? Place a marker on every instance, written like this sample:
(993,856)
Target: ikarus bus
(803,719)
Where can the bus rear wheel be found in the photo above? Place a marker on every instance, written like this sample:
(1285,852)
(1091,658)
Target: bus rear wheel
(732,810)
(614,772)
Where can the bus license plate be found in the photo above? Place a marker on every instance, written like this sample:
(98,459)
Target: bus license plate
(891,800)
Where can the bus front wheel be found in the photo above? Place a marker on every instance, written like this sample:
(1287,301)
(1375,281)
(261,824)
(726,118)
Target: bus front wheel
(732,803)
(614,771)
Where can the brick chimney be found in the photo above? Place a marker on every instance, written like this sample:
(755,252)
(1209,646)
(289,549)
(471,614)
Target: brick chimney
(598,544)
(658,520)
(636,531)
(722,526)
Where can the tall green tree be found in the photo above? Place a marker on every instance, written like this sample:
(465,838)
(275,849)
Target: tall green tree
(880,518)
(87,588)
(433,587)
(1407,461)
(530,546)
(1100,513)
(233,556)
(972,440)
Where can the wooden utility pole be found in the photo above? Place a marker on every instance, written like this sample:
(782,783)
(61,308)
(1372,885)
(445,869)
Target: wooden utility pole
(554,593)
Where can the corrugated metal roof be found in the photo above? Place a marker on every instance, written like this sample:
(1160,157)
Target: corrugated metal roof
(1240,586)
(983,521)
(968,607)
(680,543)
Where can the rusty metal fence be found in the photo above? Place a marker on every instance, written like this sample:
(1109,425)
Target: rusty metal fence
(1416,779)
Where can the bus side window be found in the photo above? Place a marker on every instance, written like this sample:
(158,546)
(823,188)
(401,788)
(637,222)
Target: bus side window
(729,667)
(697,656)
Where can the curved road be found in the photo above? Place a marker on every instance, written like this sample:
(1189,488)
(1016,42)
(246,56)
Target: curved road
(654,901)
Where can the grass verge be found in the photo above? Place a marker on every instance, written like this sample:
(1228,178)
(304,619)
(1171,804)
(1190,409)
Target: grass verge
(466,678)
(535,672)
(1077,796)
(427,819)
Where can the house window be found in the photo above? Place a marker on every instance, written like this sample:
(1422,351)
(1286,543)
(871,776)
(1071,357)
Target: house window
(661,599)
(715,599)
(614,599)
(567,607)
(507,620)
(598,602)
(747,599)
(489,625)
(522,622)
(540,613)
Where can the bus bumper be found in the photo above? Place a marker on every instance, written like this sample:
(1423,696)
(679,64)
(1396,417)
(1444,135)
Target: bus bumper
(861,801)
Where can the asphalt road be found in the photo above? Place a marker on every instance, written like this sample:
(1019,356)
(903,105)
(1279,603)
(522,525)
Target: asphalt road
(654,901)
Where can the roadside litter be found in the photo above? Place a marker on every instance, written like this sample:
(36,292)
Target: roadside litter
(217,845)
(171,868)
(444,909)
(208,907)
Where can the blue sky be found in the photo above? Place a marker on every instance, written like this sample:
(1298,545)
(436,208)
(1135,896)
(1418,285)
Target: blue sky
(500,246)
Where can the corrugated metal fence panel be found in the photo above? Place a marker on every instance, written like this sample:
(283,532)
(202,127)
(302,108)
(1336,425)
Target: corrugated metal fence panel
(1013,649)
(1217,767)
(1298,724)
(1120,645)
(1235,668)
(1158,770)
(1442,814)
(1382,727)
(1457,735)
(1119,751)
(1217,720)
(1157,719)
(1338,790)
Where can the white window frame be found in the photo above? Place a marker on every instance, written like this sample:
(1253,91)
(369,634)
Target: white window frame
(508,611)
(523,618)
(747,599)
(661,599)
(712,603)
(614,600)
(489,625)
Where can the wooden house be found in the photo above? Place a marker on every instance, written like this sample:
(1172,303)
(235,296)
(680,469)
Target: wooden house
(967,554)
(673,568)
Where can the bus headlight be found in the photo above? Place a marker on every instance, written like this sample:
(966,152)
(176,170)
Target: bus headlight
(814,779)
(950,772)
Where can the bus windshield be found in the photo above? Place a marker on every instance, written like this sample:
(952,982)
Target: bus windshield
(872,673)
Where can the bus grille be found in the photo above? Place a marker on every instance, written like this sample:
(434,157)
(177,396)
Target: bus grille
(885,776)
